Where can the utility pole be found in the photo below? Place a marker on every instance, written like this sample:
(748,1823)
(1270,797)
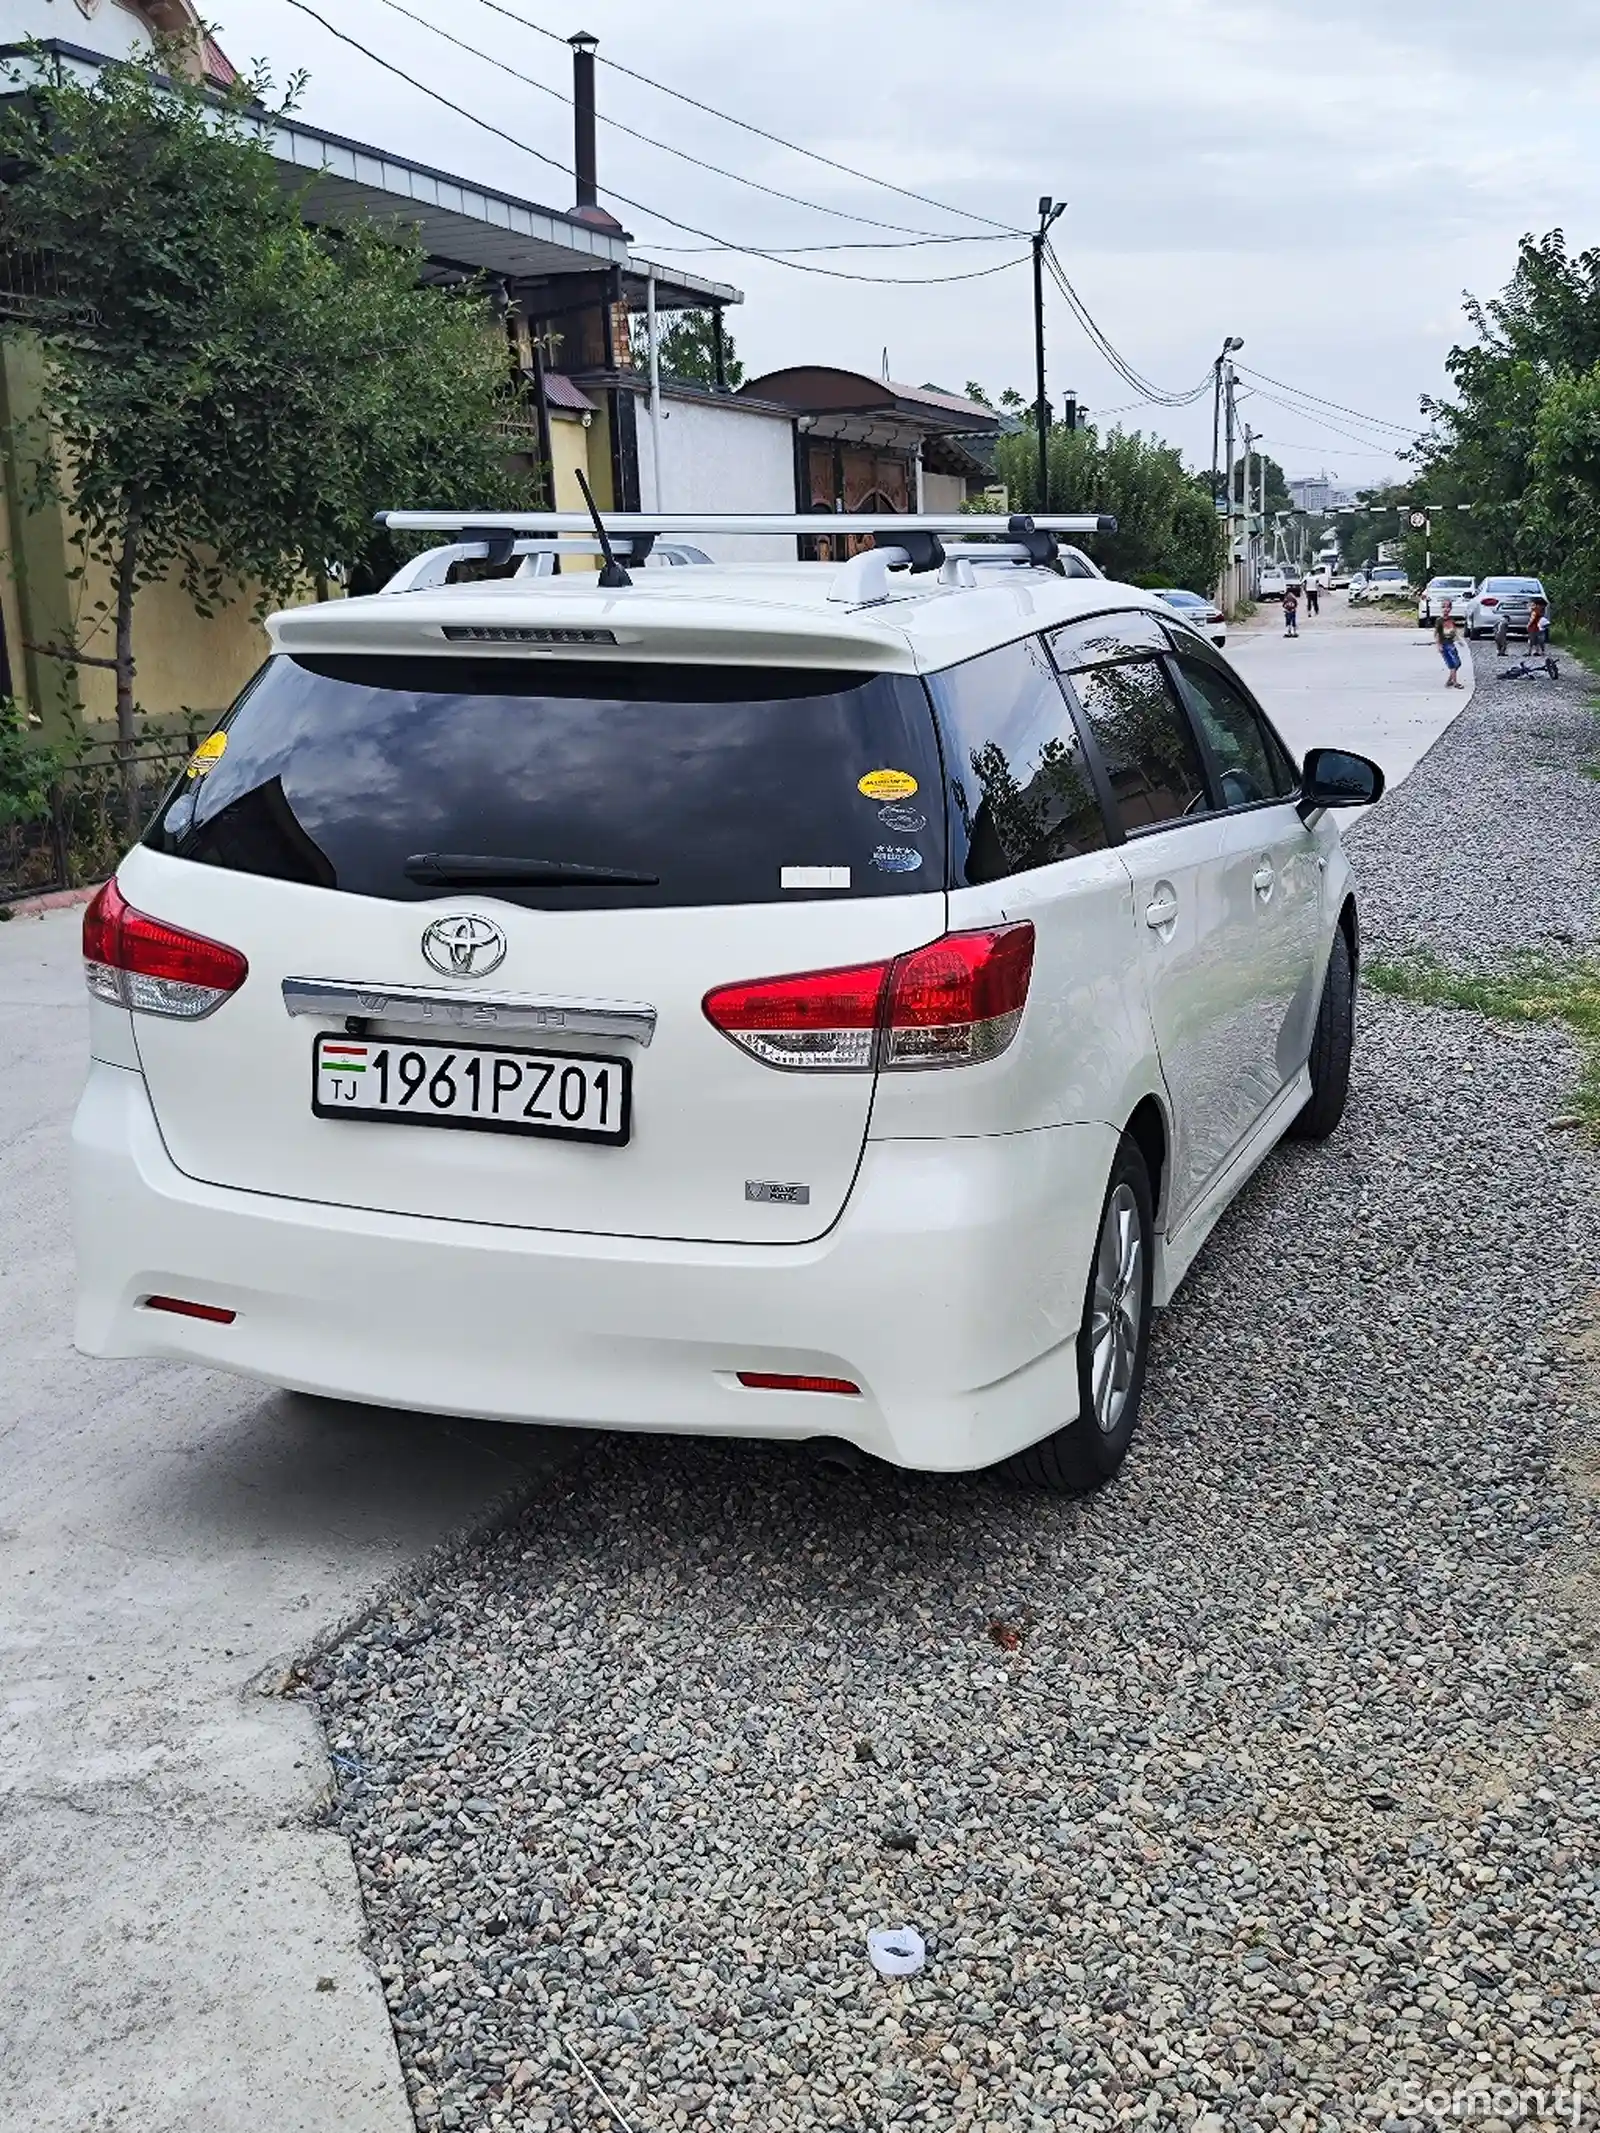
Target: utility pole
(1229,345)
(1048,211)
(1227,429)
(1249,515)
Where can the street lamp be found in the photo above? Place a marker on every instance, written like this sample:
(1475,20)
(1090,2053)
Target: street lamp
(1049,210)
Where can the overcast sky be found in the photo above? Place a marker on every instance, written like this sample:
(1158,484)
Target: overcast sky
(1324,180)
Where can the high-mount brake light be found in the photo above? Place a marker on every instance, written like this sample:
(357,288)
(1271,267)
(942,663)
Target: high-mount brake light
(956,1002)
(156,969)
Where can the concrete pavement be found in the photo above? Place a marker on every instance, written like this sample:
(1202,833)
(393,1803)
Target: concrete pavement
(182,1949)
(1375,687)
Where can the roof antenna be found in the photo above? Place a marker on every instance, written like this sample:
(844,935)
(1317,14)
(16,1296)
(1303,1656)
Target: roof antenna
(613,574)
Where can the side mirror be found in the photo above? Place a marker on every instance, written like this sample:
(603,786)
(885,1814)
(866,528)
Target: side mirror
(1332,777)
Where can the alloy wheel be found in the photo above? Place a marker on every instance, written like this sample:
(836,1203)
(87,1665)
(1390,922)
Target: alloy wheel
(1117,1312)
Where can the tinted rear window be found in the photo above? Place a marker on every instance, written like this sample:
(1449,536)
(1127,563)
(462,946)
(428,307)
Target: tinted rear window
(719,782)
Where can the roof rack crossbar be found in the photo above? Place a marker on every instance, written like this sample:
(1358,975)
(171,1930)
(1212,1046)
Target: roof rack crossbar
(895,526)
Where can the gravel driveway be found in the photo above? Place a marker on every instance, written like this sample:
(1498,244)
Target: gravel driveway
(1259,1790)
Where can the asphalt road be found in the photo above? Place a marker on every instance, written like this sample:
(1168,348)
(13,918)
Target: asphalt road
(1351,679)
(184,1939)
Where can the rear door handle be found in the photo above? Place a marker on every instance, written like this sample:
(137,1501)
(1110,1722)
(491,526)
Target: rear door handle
(1162,908)
(1264,880)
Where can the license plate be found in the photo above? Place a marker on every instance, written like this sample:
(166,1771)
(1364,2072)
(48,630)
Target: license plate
(481,1087)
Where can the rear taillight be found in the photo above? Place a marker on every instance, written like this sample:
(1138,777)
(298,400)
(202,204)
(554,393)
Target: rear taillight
(956,1002)
(157,969)
(1489,600)
(782,1381)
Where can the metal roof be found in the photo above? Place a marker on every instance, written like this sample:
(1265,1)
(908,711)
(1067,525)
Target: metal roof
(458,222)
(820,389)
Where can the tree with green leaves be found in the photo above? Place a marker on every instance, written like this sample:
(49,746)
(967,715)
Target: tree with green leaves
(1167,532)
(1519,442)
(686,348)
(228,394)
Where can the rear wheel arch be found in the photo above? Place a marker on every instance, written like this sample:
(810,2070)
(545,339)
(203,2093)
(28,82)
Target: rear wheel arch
(1350,927)
(1147,1129)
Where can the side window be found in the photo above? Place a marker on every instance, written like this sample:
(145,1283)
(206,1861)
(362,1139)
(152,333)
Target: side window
(1103,637)
(1145,742)
(1020,794)
(1253,766)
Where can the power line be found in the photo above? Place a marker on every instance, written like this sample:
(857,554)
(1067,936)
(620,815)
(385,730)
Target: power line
(761,133)
(1302,444)
(753,251)
(1307,414)
(891,244)
(1372,421)
(1155,395)
(774,192)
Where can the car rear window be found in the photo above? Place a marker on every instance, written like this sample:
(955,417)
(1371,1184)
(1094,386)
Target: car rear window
(389,777)
(1515,585)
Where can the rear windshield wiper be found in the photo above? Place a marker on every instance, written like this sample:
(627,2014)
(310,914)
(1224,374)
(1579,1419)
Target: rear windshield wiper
(487,870)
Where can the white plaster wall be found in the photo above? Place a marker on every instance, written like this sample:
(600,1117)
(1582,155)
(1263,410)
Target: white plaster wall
(943,492)
(109,28)
(719,456)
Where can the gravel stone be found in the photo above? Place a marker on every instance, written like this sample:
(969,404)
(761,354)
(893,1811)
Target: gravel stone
(1278,1804)
(1488,849)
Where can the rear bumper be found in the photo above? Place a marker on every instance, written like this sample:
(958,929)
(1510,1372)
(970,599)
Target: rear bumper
(950,1291)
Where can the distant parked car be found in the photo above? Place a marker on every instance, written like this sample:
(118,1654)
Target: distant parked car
(1384,581)
(1504,601)
(1274,583)
(1203,614)
(1338,578)
(1435,593)
(1292,573)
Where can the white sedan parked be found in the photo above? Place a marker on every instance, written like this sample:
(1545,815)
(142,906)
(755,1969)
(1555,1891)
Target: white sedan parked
(1458,591)
(1204,614)
(830,1002)
(1273,583)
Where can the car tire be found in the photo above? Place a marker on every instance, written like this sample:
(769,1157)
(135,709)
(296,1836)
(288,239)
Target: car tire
(1089,1450)
(1332,1044)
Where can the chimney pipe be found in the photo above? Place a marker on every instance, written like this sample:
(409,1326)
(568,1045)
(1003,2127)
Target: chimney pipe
(583,45)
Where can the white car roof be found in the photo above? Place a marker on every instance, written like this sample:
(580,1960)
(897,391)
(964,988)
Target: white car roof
(714,614)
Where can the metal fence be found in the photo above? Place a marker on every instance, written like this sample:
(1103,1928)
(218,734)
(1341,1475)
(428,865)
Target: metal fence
(85,832)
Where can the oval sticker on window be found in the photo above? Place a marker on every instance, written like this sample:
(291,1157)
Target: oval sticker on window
(887,785)
(208,754)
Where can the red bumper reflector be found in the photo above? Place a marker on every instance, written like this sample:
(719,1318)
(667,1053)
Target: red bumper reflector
(779,1381)
(184,1309)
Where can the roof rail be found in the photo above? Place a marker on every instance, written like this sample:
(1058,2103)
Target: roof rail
(901,540)
(434,565)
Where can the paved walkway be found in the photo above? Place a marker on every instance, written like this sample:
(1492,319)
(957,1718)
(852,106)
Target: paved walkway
(182,1950)
(1377,688)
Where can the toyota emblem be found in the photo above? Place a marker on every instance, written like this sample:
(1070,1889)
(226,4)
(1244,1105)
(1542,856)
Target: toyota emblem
(465,946)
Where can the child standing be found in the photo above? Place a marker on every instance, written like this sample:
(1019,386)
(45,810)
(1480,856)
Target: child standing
(1291,611)
(1445,633)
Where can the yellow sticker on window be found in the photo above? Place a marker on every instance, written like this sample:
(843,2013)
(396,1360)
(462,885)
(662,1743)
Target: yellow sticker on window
(887,785)
(208,755)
